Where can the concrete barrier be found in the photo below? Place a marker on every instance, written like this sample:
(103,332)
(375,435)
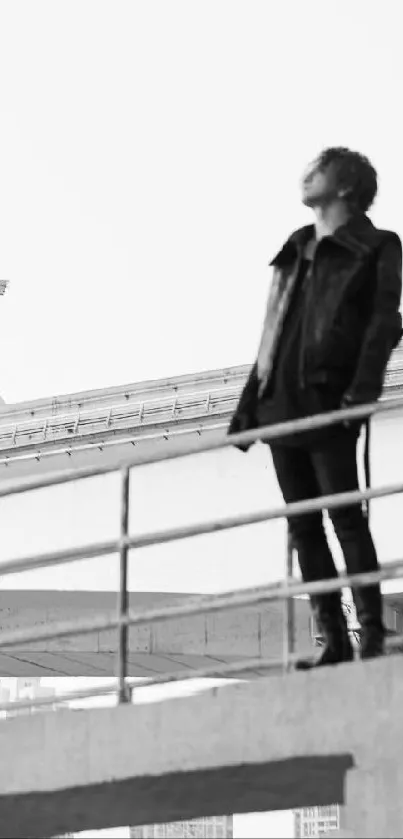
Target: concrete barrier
(276,743)
(182,644)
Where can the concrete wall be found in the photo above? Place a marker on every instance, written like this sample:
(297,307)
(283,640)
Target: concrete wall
(198,642)
(277,743)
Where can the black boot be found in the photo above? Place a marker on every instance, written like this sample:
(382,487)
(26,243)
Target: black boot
(368,604)
(372,642)
(332,625)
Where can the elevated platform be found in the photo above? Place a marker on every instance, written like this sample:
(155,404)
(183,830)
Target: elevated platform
(274,744)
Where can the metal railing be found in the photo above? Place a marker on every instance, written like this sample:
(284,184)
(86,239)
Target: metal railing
(39,453)
(136,414)
(201,604)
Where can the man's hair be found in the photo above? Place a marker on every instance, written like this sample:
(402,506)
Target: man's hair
(355,173)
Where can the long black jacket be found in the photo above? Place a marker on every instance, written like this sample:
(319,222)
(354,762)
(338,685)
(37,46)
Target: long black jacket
(351,321)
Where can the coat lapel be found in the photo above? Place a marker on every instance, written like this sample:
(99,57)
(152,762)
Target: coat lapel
(282,287)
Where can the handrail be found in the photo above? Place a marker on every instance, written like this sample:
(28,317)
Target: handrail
(98,441)
(139,413)
(201,604)
(159,537)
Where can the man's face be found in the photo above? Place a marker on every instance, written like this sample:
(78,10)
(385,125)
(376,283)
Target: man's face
(319,185)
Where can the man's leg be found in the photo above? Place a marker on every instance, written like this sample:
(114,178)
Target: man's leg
(336,471)
(297,480)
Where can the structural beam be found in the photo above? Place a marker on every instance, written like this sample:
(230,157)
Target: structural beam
(324,737)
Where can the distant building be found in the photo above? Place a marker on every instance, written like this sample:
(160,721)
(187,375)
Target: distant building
(217,827)
(31,689)
(316,821)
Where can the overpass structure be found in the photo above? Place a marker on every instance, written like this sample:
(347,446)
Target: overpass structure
(73,430)
(62,433)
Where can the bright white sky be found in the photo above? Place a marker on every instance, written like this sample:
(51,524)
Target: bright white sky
(150,153)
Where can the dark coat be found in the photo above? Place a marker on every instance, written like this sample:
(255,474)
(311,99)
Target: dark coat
(351,321)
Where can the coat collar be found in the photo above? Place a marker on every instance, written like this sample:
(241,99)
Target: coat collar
(359,236)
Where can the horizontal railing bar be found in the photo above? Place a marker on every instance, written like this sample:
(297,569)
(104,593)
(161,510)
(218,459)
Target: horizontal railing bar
(14,487)
(202,604)
(51,558)
(217,670)
(298,508)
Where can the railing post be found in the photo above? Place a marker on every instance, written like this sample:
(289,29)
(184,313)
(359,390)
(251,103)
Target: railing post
(124,692)
(289,607)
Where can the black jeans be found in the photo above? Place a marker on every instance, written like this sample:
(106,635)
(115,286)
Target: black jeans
(331,469)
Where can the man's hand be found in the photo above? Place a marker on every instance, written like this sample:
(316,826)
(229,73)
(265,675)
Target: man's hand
(350,402)
(238,425)
(346,403)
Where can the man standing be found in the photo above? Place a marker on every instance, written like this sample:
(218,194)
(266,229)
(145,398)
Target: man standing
(331,323)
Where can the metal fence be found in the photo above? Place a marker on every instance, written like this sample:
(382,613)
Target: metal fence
(203,604)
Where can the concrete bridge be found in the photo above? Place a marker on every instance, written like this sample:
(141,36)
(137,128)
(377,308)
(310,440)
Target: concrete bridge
(72,430)
(275,743)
